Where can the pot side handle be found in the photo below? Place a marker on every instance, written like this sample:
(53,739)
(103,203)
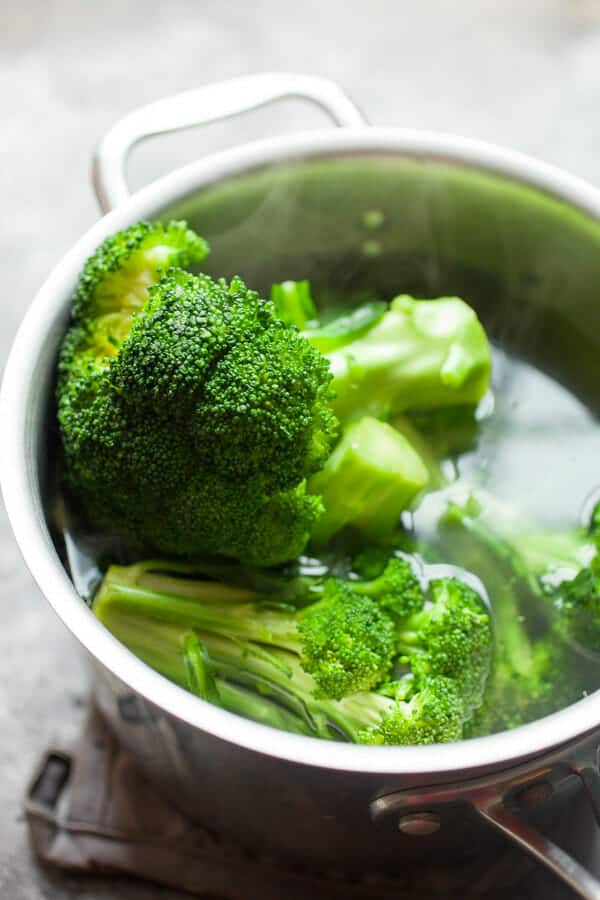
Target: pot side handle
(494,811)
(202,106)
(499,799)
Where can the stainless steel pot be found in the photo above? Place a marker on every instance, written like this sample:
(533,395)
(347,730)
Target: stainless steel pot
(360,205)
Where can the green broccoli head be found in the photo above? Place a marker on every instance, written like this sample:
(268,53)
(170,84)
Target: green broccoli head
(397,589)
(547,682)
(431,712)
(578,606)
(117,275)
(190,427)
(451,637)
(347,641)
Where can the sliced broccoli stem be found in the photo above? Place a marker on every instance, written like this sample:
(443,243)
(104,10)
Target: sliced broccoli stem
(369,479)
(420,354)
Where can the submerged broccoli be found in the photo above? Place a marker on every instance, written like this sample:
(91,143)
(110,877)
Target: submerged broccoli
(562,567)
(419,354)
(347,327)
(191,426)
(327,665)
(450,638)
(345,640)
(533,670)
(395,585)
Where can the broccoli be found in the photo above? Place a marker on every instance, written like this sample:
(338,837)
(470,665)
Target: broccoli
(371,476)
(197,419)
(432,712)
(562,567)
(116,278)
(293,303)
(347,327)
(533,671)
(418,355)
(396,587)
(344,640)
(326,669)
(450,638)
(191,426)
(448,431)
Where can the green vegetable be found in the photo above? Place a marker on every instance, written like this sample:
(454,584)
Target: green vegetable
(323,670)
(344,640)
(293,303)
(533,671)
(347,327)
(116,278)
(192,426)
(370,477)
(450,638)
(447,431)
(395,586)
(420,354)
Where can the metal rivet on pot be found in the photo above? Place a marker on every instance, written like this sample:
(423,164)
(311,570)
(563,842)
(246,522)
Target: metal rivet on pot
(419,823)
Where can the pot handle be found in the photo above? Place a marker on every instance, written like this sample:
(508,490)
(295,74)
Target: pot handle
(498,799)
(202,106)
(493,810)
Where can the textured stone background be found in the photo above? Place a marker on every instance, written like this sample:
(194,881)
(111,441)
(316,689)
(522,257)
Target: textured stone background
(525,74)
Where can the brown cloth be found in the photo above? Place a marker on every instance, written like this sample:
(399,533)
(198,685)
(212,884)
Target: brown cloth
(92,810)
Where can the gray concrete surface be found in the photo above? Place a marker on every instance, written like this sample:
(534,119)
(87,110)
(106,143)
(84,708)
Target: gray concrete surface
(524,74)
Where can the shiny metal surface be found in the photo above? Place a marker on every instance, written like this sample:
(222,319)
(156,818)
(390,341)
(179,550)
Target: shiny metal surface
(202,106)
(268,204)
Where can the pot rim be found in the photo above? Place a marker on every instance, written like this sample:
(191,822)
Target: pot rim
(21,495)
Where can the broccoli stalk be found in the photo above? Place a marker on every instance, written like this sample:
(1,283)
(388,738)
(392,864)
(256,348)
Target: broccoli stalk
(280,667)
(420,354)
(371,476)
(293,303)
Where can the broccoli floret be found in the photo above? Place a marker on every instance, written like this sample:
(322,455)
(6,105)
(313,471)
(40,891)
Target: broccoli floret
(347,641)
(116,278)
(193,428)
(578,605)
(293,303)
(432,713)
(370,477)
(396,588)
(420,354)
(450,637)
(312,668)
